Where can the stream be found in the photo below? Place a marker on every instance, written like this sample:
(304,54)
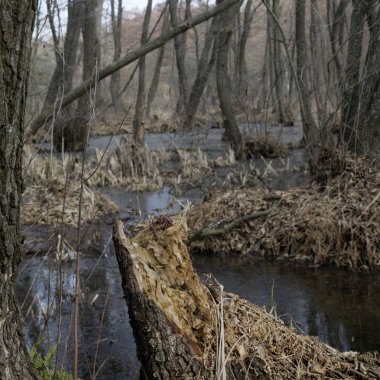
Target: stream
(342,308)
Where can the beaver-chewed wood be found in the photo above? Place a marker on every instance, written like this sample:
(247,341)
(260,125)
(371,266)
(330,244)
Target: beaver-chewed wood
(189,329)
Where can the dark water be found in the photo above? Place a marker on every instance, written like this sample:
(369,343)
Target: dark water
(340,307)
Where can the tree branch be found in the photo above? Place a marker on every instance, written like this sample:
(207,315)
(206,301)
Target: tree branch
(129,58)
(207,232)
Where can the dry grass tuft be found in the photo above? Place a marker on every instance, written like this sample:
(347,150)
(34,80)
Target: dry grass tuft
(333,220)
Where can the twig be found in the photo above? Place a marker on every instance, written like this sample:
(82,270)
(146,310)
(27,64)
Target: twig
(207,232)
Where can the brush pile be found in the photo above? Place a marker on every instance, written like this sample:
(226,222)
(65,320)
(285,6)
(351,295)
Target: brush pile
(265,145)
(333,220)
(188,329)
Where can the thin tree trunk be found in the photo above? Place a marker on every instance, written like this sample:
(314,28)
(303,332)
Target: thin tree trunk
(180,51)
(242,80)
(277,63)
(309,126)
(223,80)
(116,30)
(157,68)
(138,125)
(350,97)
(205,66)
(129,58)
(16,27)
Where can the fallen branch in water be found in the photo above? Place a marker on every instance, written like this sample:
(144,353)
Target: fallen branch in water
(207,232)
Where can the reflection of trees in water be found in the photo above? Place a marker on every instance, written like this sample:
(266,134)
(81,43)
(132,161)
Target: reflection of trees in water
(344,312)
(115,332)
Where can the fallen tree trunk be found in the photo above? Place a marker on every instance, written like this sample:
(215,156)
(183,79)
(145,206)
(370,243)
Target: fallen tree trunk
(187,330)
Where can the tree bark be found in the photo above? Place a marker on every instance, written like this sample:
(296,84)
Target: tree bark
(205,66)
(138,125)
(157,68)
(169,343)
(91,57)
(129,58)
(231,129)
(278,75)
(361,100)
(62,79)
(180,51)
(309,126)
(17,18)
(116,30)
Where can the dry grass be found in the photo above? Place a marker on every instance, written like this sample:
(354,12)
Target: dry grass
(333,220)
(266,145)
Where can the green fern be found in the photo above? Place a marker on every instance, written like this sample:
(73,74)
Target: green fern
(44,364)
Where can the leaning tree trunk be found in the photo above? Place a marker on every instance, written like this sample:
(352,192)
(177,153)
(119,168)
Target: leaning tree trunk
(138,126)
(15,36)
(205,66)
(168,329)
(225,93)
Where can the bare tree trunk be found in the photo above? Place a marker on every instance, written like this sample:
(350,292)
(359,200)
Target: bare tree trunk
(224,86)
(277,63)
(336,37)
(309,126)
(62,79)
(361,98)
(138,125)
(180,50)
(242,71)
(15,37)
(157,69)
(129,58)
(116,30)
(205,66)
(86,104)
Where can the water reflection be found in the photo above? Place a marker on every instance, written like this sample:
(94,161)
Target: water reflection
(340,307)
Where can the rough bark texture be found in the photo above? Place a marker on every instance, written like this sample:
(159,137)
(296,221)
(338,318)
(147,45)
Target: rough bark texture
(231,129)
(166,322)
(15,35)
(138,126)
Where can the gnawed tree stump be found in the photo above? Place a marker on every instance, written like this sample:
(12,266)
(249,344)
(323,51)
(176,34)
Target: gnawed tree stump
(185,329)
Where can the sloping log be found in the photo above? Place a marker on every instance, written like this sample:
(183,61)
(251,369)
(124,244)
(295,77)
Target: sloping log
(187,330)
